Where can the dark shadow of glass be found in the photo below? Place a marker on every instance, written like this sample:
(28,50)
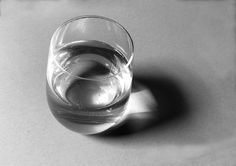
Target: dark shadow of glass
(171,104)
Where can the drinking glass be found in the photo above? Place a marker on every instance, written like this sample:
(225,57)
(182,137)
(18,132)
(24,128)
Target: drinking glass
(89,73)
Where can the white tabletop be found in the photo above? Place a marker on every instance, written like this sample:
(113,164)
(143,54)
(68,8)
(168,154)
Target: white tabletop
(190,42)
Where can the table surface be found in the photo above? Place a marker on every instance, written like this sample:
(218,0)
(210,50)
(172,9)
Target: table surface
(189,43)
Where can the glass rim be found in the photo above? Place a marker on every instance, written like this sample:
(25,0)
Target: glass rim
(102,18)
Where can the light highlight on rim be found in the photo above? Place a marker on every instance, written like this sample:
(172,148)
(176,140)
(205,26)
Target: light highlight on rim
(131,47)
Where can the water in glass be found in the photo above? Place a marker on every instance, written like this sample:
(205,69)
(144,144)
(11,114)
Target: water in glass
(88,85)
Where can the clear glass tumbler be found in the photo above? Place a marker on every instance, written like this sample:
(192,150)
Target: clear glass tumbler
(89,73)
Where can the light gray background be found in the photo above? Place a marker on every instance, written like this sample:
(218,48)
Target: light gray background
(193,41)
